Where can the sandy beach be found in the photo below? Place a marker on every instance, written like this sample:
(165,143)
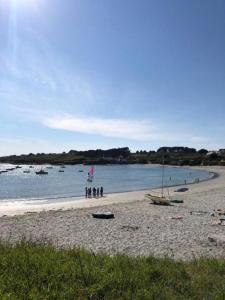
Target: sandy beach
(139,228)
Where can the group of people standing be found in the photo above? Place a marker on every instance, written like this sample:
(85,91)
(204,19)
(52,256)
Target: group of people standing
(94,192)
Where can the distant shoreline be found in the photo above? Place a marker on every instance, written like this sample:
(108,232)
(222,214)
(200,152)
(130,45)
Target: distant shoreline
(174,156)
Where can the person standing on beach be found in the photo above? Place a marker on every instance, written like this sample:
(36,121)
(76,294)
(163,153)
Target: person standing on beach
(86,192)
(98,192)
(101,191)
(94,192)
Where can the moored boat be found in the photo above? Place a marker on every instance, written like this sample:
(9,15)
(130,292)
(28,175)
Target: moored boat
(41,172)
(26,171)
(90,174)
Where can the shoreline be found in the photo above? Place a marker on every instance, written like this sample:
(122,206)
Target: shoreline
(79,197)
(13,207)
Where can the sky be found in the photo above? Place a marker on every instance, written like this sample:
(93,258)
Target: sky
(87,74)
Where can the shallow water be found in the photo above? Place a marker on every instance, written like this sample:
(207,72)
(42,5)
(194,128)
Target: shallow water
(114,178)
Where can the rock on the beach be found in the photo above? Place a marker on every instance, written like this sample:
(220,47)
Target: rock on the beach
(219,239)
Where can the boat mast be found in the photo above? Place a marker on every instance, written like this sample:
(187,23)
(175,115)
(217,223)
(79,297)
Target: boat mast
(162,173)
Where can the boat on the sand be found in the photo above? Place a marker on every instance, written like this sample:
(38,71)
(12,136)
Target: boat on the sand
(159,200)
(181,190)
(103,215)
(177,201)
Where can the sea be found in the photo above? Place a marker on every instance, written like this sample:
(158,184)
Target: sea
(18,185)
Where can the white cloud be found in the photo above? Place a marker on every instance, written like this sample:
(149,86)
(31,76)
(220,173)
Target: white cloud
(117,128)
(136,130)
(126,129)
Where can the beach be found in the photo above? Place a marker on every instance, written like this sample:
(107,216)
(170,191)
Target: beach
(180,231)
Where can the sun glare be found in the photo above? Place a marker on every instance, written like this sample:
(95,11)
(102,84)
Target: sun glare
(26,5)
(23,3)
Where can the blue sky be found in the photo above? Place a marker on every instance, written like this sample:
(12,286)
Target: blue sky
(84,74)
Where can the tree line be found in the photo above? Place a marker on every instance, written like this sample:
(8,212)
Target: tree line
(123,155)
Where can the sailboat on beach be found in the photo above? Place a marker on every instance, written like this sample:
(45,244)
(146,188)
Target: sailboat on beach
(162,199)
(90,174)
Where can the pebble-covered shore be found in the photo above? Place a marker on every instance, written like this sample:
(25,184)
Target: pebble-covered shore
(139,227)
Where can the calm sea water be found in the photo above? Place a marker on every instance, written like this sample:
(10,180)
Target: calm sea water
(114,178)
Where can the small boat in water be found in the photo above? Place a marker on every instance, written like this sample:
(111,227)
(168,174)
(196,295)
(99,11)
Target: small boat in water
(90,174)
(31,167)
(41,172)
(61,171)
(26,171)
(18,167)
(80,170)
(10,169)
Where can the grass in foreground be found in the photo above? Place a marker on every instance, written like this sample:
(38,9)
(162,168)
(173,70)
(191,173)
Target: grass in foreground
(29,271)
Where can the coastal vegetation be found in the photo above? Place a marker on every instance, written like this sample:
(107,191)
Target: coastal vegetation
(177,156)
(32,271)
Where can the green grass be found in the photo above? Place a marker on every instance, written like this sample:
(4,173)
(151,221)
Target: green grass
(29,271)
